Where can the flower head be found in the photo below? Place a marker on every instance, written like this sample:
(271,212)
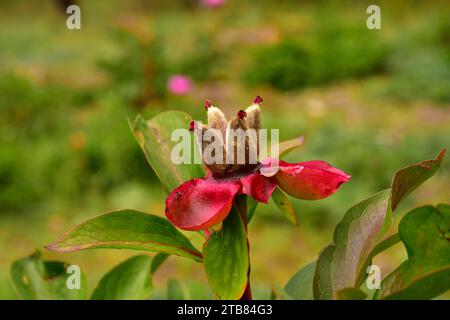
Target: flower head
(199,204)
(242,114)
(258,100)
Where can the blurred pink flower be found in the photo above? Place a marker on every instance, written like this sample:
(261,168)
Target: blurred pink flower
(179,84)
(213,3)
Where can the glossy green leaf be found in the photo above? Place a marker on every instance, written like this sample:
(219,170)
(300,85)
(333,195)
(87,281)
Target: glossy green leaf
(130,280)
(174,290)
(36,279)
(127,229)
(300,286)
(363,227)
(425,233)
(284,204)
(155,138)
(226,259)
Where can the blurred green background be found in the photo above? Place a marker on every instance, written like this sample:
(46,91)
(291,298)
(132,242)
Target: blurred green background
(367,101)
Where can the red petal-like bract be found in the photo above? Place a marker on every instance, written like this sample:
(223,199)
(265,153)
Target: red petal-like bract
(310,180)
(258,186)
(201,203)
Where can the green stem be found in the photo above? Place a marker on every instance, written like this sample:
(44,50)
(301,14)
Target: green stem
(241,204)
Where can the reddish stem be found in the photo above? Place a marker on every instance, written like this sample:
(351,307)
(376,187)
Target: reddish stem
(248,292)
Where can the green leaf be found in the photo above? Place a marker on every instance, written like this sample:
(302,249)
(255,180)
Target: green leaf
(380,247)
(196,290)
(36,279)
(300,287)
(408,179)
(174,290)
(425,233)
(287,146)
(130,280)
(279,293)
(252,204)
(350,294)
(385,244)
(158,260)
(226,258)
(155,138)
(282,202)
(364,226)
(127,229)
(340,264)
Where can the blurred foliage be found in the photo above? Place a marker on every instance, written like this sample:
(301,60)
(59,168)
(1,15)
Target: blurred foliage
(335,52)
(420,62)
(140,72)
(56,145)
(417,58)
(65,144)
